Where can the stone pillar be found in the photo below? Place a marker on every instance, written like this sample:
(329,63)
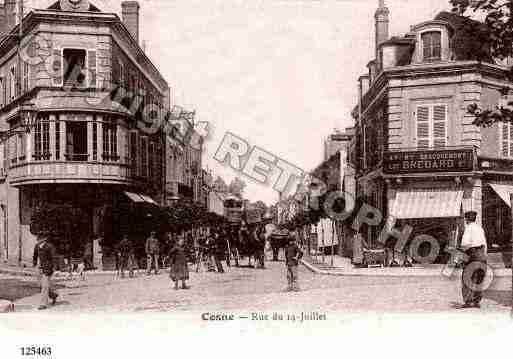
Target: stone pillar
(62,138)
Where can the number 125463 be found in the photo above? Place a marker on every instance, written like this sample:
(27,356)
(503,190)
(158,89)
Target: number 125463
(36,351)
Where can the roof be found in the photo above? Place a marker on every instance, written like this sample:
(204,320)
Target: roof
(57,6)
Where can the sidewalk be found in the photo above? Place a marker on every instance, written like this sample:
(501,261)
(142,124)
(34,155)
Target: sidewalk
(32,272)
(343,267)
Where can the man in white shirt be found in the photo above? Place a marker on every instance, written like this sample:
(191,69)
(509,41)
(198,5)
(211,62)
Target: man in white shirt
(474,245)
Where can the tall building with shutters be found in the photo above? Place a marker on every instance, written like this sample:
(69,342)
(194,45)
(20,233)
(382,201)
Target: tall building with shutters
(79,106)
(420,159)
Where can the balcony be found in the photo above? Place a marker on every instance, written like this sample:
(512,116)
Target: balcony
(75,170)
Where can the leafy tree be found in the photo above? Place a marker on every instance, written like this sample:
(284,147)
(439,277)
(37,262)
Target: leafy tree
(261,207)
(220,185)
(498,29)
(237,186)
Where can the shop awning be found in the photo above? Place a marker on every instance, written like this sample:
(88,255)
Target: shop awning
(504,191)
(427,203)
(140,198)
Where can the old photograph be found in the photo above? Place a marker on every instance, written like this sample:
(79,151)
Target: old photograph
(255,163)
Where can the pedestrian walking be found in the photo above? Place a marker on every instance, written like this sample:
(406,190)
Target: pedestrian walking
(292,256)
(152,253)
(260,244)
(474,244)
(220,251)
(44,254)
(211,250)
(88,255)
(126,255)
(179,270)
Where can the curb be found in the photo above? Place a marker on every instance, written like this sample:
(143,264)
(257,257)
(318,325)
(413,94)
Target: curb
(415,272)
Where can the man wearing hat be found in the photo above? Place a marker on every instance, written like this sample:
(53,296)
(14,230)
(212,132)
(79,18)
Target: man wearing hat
(474,244)
(44,254)
(152,252)
(292,256)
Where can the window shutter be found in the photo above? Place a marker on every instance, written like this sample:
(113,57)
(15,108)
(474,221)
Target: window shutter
(423,138)
(91,66)
(505,139)
(57,67)
(440,126)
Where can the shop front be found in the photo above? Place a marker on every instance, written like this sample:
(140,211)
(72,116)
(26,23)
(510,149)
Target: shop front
(428,192)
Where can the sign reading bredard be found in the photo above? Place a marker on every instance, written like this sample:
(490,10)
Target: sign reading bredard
(458,160)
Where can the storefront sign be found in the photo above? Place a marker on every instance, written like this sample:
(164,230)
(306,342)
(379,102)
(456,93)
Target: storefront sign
(428,161)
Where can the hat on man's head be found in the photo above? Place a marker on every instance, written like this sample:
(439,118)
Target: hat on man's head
(471,216)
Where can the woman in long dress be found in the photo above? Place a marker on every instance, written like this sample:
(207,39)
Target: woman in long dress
(178,261)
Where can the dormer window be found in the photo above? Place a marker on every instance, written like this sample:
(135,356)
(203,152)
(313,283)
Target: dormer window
(431,46)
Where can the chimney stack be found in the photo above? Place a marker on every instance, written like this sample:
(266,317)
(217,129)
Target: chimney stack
(9,15)
(382,21)
(130,16)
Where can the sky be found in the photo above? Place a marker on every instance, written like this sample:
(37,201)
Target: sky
(282,74)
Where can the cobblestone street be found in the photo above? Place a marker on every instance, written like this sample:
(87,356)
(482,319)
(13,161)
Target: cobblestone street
(255,289)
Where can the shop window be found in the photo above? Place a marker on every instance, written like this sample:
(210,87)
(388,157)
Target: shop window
(76,141)
(41,138)
(431,126)
(506,139)
(431,46)
(110,142)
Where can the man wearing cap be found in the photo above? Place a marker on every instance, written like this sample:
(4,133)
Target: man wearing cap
(152,253)
(474,245)
(44,255)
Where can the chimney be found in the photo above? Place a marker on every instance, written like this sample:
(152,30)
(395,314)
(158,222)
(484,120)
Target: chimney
(130,16)
(10,15)
(382,21)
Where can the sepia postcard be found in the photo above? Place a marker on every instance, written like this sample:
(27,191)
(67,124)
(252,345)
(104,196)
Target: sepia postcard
(191,178)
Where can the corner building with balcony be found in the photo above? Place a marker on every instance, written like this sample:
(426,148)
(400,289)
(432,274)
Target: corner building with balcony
(89,146)
(420,160)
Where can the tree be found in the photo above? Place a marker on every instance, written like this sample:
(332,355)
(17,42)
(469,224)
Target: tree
(497,23)
(237,186)
(220,185)
(261,207)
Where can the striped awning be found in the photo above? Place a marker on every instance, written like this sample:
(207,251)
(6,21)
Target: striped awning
(427,203)
(504,191)
(140,198)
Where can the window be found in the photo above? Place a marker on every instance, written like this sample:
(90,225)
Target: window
(432,46)
(76,140)
(22,138)
(4,98)
(144,156)
(12,83)
(431,126)
(95,140)
(151,160)
(57,140)
(74,67)
(506,139)
(133,152)
(42,139)
(110,142)
(26,74)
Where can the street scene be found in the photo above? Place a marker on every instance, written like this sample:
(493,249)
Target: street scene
(242,164)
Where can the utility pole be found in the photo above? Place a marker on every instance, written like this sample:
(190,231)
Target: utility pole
(511,263)
(17,95)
